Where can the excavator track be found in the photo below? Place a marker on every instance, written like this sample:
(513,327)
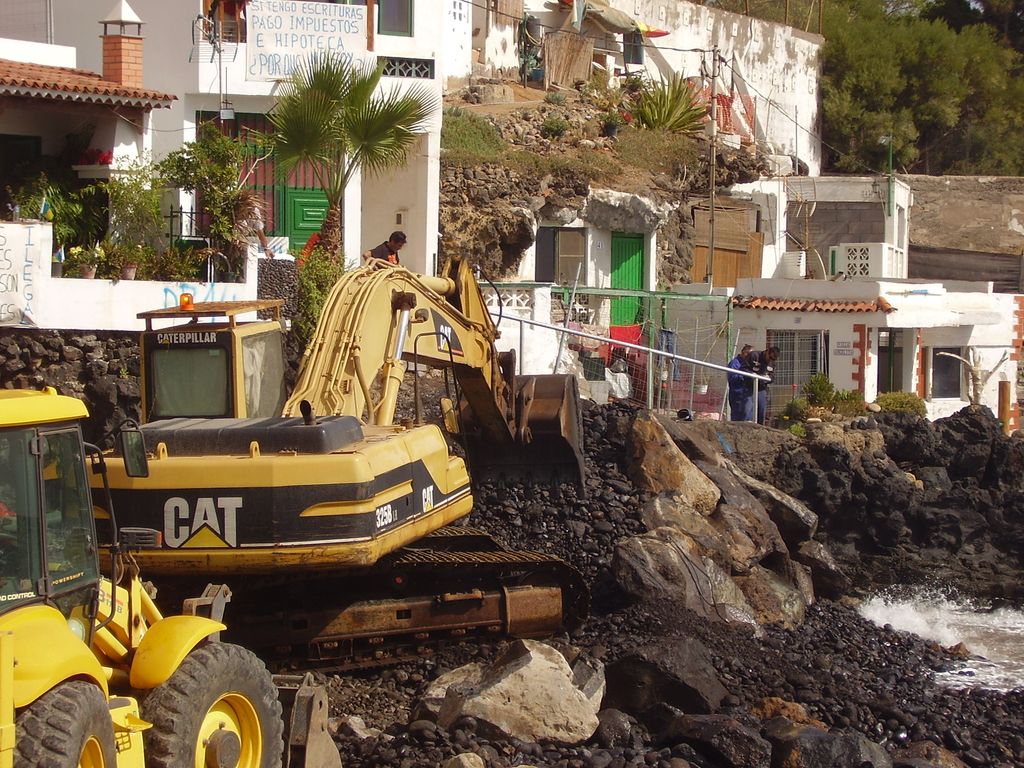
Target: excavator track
(419,598)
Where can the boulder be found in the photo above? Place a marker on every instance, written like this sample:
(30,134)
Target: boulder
(773,706)
(616,729)
(926,753)
(828,578)
(676,672)
(666,564)
(527,693)
(804,746)
(699,440)
(665,511)
(657,465)
(465,760)
(774,600)
(721,737)
(794,519)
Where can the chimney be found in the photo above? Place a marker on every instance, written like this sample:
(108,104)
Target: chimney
(122,46)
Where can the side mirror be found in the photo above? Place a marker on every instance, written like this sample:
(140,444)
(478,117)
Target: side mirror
(133,450)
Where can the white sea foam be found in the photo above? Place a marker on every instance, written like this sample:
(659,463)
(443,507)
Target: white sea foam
(995,637)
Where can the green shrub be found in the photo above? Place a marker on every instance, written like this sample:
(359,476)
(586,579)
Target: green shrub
(555,97)
(657,151)
(795,410)
(590,164)
(671,105)
(797,429)
(469,139)
(554,127)
(184,264)
(848,402)
(818,390)
(903,402)
(316,278)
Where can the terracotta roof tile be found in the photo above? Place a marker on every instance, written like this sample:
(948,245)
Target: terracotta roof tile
(812,305)
(66,84)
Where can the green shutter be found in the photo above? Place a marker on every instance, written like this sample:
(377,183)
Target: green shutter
(628,274)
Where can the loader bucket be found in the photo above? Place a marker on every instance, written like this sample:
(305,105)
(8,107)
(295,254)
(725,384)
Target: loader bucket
(548,445)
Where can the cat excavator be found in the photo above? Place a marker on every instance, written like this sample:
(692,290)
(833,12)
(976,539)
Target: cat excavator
(330,521)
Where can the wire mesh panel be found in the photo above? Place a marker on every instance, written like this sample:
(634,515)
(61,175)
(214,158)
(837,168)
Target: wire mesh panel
(800,357)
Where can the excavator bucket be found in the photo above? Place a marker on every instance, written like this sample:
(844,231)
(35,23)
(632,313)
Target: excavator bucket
(548,444)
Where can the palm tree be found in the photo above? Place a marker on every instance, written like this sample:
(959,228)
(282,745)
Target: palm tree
(331,117)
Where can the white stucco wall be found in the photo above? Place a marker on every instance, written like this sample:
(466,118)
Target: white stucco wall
(29,52)
(73,303)
(455,58)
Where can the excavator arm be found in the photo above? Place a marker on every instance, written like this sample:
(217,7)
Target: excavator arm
(511,426)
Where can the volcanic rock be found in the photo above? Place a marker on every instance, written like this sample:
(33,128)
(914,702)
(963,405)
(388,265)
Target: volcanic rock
(676,672)
(527,693)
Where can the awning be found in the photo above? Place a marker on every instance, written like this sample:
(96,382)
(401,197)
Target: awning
(610,18)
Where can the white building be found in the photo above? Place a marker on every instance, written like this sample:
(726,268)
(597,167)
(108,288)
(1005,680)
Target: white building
(877,335)
(225,59)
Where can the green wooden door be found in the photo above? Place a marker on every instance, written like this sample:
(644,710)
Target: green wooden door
(304,212)
(627,273)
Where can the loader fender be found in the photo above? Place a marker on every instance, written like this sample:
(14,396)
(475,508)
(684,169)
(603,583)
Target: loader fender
(46,653)
(166,645)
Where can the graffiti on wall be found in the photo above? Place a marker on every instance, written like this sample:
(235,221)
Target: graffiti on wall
(203,292)
(21,250)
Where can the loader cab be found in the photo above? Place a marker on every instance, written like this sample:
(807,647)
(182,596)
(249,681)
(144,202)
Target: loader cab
(213,365)
(47,536)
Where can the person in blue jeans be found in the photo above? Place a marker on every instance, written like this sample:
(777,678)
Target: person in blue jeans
(763,363)
(741,390)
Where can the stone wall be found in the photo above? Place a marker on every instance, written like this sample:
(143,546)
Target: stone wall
(101,368)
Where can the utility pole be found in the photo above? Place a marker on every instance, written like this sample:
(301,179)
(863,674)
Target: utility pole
(892,179)
(713,165)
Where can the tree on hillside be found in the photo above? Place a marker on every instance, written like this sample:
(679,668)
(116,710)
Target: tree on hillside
(949,101)
(331,117)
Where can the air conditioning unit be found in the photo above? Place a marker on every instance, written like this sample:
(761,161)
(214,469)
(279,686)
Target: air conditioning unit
(872,260)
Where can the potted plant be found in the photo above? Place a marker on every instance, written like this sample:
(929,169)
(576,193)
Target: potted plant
(611,121)
(83,261)
(124,260)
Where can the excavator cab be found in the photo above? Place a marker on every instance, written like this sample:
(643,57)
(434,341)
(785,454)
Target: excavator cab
(221,368)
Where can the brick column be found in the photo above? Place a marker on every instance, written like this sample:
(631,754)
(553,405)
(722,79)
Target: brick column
(920,367)
(1016,356)
(861,351)
(122,60)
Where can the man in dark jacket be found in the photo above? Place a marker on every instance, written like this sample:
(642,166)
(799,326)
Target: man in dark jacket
(763,363)
(741,388)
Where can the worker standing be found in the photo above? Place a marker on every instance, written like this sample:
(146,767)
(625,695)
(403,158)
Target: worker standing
(386,251)
(741,388)
(763,363)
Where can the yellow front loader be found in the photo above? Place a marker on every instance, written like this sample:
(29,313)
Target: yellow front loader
(91,674)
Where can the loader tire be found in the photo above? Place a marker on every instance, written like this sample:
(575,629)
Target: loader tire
(219,707)
(67,727)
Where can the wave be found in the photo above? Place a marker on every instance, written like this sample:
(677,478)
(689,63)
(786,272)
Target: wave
(994,636)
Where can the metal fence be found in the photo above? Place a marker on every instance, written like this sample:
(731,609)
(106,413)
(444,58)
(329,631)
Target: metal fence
(693,326)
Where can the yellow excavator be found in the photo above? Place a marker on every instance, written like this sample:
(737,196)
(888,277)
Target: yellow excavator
(91,674)
(329,520)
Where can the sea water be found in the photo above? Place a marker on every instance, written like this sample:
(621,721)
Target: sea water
(994,636)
